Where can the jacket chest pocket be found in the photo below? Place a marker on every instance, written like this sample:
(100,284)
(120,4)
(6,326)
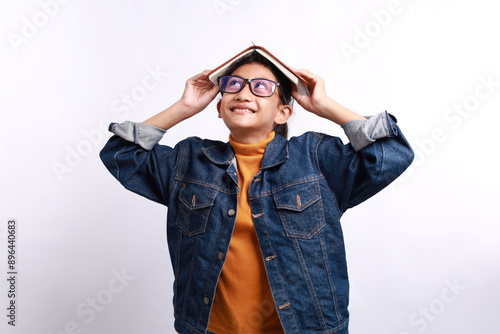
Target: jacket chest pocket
(195,202)
(300,210)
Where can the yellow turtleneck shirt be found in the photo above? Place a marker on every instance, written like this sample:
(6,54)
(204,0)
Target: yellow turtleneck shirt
(243,302)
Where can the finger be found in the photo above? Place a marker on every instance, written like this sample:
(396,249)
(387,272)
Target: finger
(303,70)
(307,74)
(205,72)
(300,70)
(295,93)
(202,75)
(297,96)
(201,80)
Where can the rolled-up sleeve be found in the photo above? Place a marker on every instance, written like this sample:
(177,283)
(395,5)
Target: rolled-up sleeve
(144,135)
(134,157)
(362,133)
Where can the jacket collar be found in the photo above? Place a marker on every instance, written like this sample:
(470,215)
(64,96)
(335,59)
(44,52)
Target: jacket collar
(276,153)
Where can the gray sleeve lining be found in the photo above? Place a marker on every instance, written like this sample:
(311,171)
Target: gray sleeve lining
(362,133)
(144,135)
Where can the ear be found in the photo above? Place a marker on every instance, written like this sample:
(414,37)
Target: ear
(218,108)
(284,113)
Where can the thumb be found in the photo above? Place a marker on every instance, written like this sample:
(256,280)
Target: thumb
(297,96)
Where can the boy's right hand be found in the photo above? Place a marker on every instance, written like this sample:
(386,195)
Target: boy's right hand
(198,93)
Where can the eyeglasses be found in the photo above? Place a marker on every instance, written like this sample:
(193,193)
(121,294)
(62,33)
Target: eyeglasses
(259,87)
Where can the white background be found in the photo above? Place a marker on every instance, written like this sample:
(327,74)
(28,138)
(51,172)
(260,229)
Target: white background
(423,254)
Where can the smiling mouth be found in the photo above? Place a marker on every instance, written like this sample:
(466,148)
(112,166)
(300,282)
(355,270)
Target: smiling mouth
(242,111)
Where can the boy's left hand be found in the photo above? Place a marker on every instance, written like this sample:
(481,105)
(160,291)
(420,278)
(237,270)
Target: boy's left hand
(318,101)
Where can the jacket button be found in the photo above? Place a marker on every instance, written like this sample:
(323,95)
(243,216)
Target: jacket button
(206,301)
(220,255)
(231,212)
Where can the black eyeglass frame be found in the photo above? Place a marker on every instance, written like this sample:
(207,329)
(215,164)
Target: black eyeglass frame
(276,85)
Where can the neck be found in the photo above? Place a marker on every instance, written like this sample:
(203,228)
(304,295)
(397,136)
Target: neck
(250,137)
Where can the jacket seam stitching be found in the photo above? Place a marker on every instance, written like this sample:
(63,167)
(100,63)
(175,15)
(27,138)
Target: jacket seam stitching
(290,184)
(275,264)
(177,266)
(206,184)
(310,285)
(319,171)
(188,284)
(330,278)
(188,324)
(378,174)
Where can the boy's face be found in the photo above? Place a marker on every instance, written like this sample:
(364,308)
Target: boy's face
(251,118)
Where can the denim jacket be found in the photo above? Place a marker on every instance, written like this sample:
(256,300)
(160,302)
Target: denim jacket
(304,186)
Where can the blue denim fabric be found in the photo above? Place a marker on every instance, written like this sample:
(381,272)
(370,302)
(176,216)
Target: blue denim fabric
(304,186)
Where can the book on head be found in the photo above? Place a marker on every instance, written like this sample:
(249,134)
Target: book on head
(300,83)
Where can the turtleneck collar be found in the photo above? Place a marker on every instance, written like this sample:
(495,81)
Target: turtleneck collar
(251,149)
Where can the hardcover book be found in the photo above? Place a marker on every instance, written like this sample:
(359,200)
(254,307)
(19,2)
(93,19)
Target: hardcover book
(220,71)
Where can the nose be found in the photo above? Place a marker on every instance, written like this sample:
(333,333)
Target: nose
(244,94)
